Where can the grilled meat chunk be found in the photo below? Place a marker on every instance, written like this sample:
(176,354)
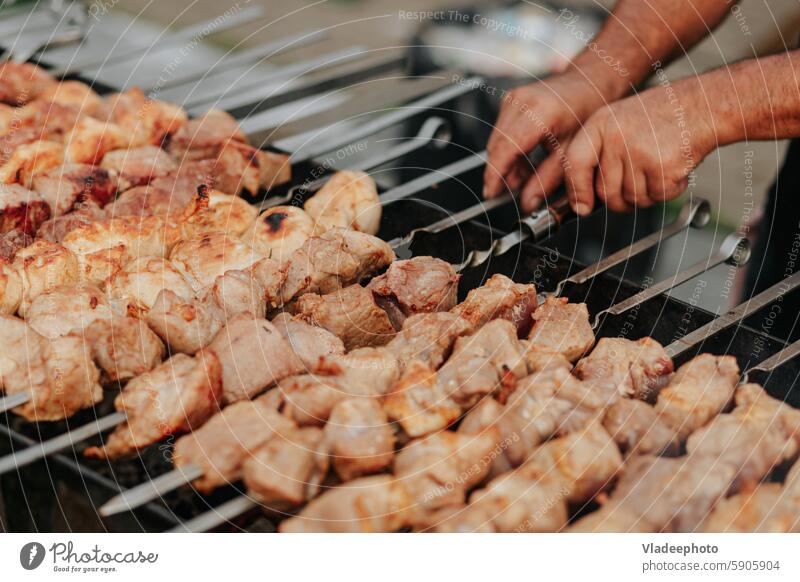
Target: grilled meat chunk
(637,428)
(335,259)
(370,504)
(427,337)
(138,166)
(144,121)
(123,347)
(212,210)
(175,397)
(21,210)
(499,298)
(201,137)
(42,266)
(11,242)
(67,308)
(30,159)
(204,257)
(57,373)
(22,82)
(418,285)
(349,199)
(135,288)
(564,327)
(279,231)
(635,368)
(748,512)
(359,438)
(83,213)
(350,313)
(62,187)
(222,445)
(90,140)
(253,355)
(309,342)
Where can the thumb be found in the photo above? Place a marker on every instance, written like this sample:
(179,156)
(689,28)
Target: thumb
(544,181)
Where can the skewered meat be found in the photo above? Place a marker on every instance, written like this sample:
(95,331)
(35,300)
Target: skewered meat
(637,428)
(332,260)
(144,201)
(135,288)
(144,121)
(11,242)
(247,291)
(359,438)
(370,504)
(22,82)
(349,199)
(309,342)
(62,187)
(439,470)
(253,355)
(697,392)
(418,285)
(138,166)
(21,209)
(634,368)
(538,358)
(41,266)
(365,372)
(748,512)
(103,247)
(662,494)
(350,313)
(123,347)
(499,298)
(72,94)
(83,213)
(57,373)
(223,444)
(419,402)
(427,337)
(45,118)
(483,362)
(784,516)
(288,469)
(279,231)
(180,394)
(204,257)
(757,435)
(90,140)
(563,327)
(201,137)
(212,210)
(29,159)
(11,288)
(67,308)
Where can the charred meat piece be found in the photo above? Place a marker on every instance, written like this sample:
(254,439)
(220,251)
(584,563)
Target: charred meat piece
(30,159)
(359,438)
(335,259)
(62,187)
(349,199)
(83,213)
(499,298)
(204,257)
(138,166)
(212,210)
(279,231)
(135,288)
(11,242)
(253,355)
(175,397)
(224,443)
(427,337)
(564,327)
(350,314)
(21,210)
(634,368)
(201,138)
(58,373)
(418,285)
(370,504)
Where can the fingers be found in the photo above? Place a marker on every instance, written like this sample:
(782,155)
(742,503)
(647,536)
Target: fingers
(545,179)
(608,181)
(582,158)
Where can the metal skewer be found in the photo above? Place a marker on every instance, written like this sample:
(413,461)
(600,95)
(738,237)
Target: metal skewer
(25,48)
(734,250)
(734,316)
(247,56)
(776,360)
(14,400)
(435,131)
(217,516)
(213,25)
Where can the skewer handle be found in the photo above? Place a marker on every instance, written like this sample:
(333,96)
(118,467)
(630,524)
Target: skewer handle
(695,212)
(734,250)
(734,316)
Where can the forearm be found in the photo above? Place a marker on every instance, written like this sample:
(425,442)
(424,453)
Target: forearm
(638,34)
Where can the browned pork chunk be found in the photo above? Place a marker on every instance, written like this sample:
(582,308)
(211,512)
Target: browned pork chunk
(21,209)
(499,298)
(138,166)
(359,438)
(22,82)
(418,285)
(175,397)
(62,187)
(309,342)
(563,327)
(428,337)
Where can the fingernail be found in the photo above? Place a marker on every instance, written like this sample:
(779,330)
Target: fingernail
(582,209)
